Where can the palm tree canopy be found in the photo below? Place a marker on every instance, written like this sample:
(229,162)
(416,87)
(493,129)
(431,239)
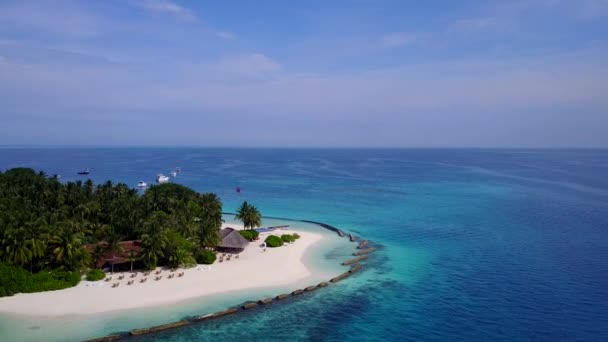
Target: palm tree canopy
(46,223)
(249,215)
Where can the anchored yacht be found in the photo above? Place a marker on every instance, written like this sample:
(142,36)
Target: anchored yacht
(162,179)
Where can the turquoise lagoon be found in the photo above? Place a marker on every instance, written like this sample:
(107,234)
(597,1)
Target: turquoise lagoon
(323,259)
(475,244)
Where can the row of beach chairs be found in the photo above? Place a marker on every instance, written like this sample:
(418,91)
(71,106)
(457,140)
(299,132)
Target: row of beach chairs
(146,274)
(227,257)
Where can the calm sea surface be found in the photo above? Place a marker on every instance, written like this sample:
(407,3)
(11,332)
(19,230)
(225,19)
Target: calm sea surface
(476,245)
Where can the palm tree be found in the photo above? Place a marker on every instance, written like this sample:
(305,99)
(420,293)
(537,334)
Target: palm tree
(36,238)
(153,246)
(66,248)
(16,249)
(132,255)
(155,238)
(113,246)
(249,215)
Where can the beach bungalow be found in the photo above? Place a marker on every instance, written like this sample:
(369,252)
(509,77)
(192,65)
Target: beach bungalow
(124,256)
(232,241)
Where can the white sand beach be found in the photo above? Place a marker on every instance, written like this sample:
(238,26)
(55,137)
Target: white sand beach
(255,268)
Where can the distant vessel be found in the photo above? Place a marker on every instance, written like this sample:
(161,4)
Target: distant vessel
(142,184)
(84,172)
(162,179)
(174,174)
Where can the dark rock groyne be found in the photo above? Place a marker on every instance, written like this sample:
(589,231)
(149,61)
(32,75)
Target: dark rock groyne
(265,301)
(159,328)
(364,251)
(355,260)
(107,338)
(254,305)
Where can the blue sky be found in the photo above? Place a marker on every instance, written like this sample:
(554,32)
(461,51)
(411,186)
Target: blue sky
(305,73)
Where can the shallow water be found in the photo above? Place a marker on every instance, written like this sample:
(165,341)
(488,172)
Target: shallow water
(476,245)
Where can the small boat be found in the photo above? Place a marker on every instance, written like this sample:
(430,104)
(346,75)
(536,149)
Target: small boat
(84,172)
(160,179)
(142,184)
(173,174)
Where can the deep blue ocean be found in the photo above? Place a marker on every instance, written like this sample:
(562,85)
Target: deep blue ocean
(475,244)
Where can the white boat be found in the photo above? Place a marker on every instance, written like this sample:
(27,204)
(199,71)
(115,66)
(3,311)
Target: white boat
(142,184)
(174,174)
(160,179)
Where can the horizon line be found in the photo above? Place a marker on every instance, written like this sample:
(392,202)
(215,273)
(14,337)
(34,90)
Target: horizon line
(266,147)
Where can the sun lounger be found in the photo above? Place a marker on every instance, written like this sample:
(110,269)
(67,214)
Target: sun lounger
(108,278)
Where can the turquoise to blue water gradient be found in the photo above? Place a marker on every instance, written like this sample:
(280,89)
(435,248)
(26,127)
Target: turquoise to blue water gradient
(475,245)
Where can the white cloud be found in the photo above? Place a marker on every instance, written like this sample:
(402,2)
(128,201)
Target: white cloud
(165,7)
(249,65)
(473,24)
(49,17)
(397,39)
(226,35)
(468,86)
(591,9)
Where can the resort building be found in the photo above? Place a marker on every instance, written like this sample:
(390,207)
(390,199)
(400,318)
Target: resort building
(126,253)
(232,241)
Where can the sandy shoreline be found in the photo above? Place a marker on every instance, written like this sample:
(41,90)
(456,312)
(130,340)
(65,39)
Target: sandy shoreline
(253,269)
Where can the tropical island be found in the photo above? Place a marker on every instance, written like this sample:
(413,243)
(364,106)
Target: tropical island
(102,246)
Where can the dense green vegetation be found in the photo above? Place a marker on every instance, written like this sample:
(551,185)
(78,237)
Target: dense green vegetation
(249,215)
(95,275)
(15,279)
(290,237)
(273,241)
(278,241)
(45,224)
(206,257)
(249,234)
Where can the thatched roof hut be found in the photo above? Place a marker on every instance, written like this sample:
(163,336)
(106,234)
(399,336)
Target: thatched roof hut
(232,241)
